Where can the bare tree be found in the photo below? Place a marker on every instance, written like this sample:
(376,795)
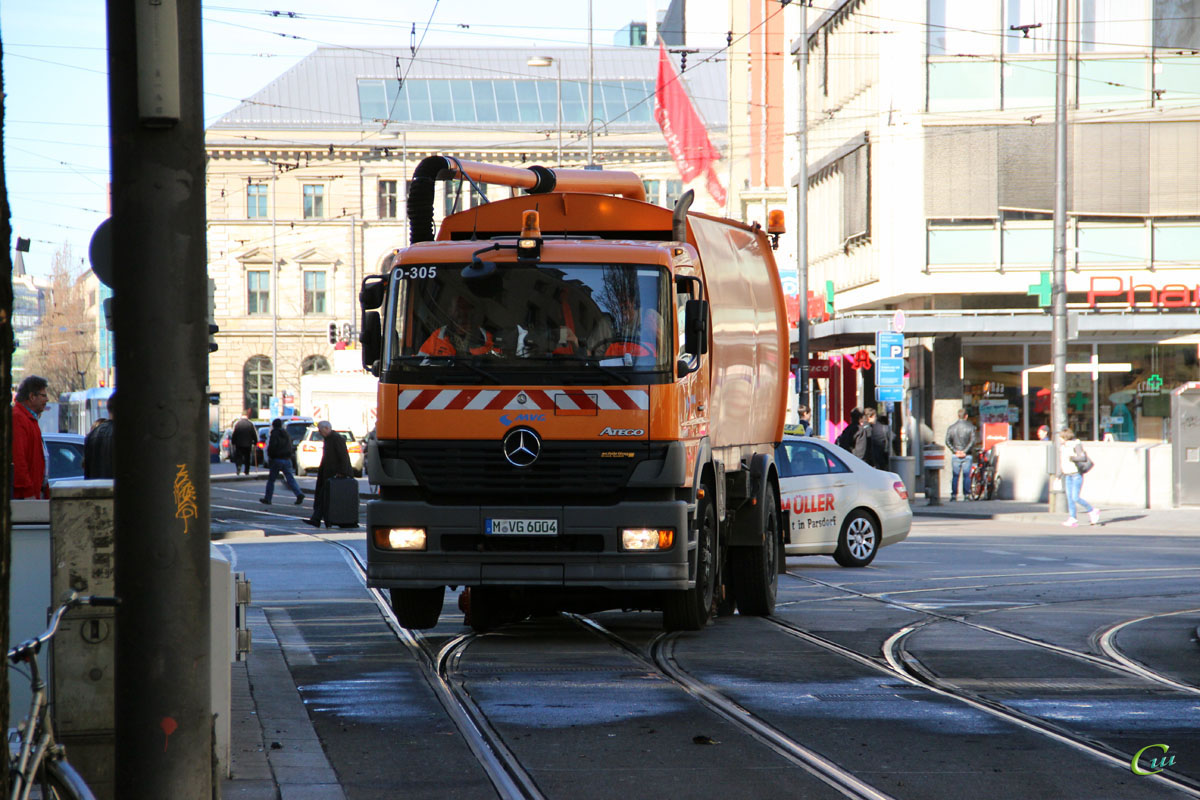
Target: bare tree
(63,350)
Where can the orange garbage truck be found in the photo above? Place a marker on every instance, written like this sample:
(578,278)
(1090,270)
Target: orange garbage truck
(580,394)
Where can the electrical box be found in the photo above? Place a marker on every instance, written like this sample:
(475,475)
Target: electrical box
(83,652)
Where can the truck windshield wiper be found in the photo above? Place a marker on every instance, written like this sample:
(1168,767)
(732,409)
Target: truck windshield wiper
(591,361)
(448,361)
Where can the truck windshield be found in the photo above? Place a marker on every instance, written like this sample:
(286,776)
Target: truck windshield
(603,318)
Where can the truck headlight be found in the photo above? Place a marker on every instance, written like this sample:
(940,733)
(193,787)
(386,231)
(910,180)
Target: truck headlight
(400,538)
(647,538)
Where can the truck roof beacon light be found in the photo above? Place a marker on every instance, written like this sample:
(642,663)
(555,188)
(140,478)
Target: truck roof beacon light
(529,245)
(775,226)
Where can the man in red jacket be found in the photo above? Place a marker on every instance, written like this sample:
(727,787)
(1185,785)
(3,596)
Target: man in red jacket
(28,449)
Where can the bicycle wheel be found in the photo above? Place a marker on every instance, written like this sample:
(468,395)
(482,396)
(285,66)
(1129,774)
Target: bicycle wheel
(975,492)
(58,780)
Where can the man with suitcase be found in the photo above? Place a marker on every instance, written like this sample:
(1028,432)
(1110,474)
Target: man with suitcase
(336,500)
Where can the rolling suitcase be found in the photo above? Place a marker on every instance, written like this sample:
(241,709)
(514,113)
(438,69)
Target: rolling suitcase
(341,502)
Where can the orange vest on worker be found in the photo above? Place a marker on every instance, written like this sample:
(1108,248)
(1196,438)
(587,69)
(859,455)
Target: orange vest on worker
(439,344)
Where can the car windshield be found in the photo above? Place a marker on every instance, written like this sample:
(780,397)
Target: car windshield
(599,318)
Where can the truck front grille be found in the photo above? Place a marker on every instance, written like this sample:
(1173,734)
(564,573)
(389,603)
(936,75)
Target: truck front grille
(478,543)
(455,468)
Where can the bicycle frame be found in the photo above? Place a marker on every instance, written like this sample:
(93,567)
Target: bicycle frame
(38,746)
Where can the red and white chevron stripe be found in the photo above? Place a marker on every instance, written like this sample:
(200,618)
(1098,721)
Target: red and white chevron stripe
(564,400)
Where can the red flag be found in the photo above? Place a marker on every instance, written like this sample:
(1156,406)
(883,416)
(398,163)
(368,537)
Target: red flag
(687,140)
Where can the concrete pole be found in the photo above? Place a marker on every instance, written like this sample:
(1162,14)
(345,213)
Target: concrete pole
(802,213)
(1058,349)
(161,504)
(591,87)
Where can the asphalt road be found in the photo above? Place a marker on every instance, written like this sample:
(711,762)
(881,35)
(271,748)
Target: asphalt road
(978,658)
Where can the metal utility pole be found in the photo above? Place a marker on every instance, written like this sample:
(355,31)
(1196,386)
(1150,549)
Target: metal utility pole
(1058,349)
(591,88)
(164,740)
(802,212)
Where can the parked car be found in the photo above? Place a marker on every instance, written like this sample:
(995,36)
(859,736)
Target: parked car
(66,456)
(310,450)
(226,449)
(838,504)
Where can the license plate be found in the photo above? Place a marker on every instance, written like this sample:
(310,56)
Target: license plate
(522,527)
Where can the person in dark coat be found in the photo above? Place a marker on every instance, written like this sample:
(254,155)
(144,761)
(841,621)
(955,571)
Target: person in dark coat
(98,446)
(242,442)
(879,440)
(845,439)
(279,459)
(335,462)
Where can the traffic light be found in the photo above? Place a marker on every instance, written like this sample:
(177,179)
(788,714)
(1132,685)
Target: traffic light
(333,333)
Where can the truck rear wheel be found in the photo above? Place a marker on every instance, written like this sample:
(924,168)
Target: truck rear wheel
(418,609)
(756,569)
(690,609)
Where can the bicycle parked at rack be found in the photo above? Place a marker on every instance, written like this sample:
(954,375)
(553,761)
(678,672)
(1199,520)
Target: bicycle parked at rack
(38,766)
(984,480)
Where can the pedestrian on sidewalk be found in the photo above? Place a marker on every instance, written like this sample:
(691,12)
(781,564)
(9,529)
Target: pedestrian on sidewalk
(29,455)
(335,463)
(241,442)
(1074,462)
(98,446)
(960,438)
(845,439)
(279,459)
(874,440)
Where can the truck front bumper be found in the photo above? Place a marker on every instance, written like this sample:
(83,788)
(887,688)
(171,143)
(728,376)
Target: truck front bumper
(586,553)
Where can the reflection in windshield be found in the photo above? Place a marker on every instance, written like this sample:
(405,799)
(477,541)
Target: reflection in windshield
(521,315)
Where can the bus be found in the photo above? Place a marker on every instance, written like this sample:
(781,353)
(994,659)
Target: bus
(79,411)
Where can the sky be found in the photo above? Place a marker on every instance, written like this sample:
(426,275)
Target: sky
(56,83)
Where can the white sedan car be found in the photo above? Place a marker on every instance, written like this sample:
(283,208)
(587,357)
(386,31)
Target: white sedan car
(837,504)
(308,453)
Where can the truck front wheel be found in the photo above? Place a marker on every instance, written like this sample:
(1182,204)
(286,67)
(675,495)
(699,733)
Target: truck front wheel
(690,609)
(418,609)
(756,569)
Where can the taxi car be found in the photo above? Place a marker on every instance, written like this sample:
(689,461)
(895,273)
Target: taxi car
(308,454)
(837,504)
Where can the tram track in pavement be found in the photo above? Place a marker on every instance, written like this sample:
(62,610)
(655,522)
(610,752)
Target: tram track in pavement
(437,664)
(1112,659)
(900,663)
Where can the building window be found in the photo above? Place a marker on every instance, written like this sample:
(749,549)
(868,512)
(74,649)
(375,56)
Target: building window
(962,85)
(258,291)
(256,201)
(1041,13)
(1116,25)
(314,291)
(962,243)
(314,365)
(958,28)
(674,192)
(257,385)
(314,201)
(387,200)
(617,102)
(1101,243)
(651,188)
(1114,80)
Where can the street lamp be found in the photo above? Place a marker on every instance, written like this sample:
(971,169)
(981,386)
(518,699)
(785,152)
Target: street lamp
(545,61)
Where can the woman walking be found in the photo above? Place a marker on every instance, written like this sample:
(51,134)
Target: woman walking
(1074,461)
(279,459)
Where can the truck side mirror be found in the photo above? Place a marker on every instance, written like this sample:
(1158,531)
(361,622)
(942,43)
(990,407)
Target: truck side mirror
(695,336)
(371,338)
(374,289)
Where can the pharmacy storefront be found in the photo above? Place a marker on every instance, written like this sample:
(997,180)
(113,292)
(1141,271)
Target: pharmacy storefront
(1123,360)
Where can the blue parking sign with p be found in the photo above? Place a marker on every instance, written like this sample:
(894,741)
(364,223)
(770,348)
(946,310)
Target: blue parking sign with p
(889,345)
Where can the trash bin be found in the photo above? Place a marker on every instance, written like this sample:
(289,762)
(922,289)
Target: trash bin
(906,468)
(934,458)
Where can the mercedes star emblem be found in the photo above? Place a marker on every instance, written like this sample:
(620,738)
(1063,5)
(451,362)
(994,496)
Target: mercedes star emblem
(522,447)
